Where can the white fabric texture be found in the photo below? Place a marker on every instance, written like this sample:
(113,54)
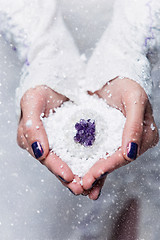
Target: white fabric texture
(134,31)
(46,48)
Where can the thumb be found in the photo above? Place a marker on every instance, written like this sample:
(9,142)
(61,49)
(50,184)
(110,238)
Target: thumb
(133,129)
(33,129)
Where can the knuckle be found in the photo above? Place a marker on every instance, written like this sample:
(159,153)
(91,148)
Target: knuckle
(136,129)
(22,145)
(29,131)
(20,141)
(137,95)
(19,136)
(30,134)
(32,95)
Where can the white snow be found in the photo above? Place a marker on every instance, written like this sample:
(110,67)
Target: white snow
(60,128)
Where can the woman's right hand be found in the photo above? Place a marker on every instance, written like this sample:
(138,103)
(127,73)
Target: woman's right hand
(31,134)
(139,134)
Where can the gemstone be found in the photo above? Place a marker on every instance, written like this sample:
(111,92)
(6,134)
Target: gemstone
(85,132)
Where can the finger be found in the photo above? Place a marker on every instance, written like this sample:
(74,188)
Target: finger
(75,186)
(102,168)
(58,167)
(54,100)
(96,190)
(85,192)
(133,129)
(150,132)
(33,105)
(21,140)
(149,140)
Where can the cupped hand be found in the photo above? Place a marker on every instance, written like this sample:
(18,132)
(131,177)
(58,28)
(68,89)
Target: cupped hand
(36,103)
(140,131)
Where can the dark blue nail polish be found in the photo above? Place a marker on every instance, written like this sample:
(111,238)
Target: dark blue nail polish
(132,150)
(63,179)
(104,175)
(37,149)
(94,183)
(99,195)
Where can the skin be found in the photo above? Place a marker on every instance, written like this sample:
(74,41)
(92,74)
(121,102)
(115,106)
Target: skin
(132,101)
(123,94)
(40,100)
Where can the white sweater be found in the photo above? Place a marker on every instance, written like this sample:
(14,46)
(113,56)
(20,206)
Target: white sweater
(37,31)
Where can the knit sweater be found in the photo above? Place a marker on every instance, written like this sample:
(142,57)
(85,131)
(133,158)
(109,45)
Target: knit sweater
(37,31)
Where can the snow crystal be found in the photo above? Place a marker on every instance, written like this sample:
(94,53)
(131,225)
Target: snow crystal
(152,127)
(29,123)
(60,128)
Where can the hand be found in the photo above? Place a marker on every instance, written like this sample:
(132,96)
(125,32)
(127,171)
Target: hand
(31,135)
(140,132)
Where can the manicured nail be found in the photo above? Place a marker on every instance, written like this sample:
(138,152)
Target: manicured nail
(94,183)
(132,150)
(63,179)
(37,149)
(104,175)
(99,195)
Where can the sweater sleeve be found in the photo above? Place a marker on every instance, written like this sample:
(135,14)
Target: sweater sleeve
(49,56)
(133,34)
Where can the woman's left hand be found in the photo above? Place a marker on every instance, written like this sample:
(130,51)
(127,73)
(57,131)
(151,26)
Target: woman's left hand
(140,131)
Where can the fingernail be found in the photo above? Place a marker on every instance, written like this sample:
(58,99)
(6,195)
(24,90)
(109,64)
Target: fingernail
(94,183)
(37,149)
(104,175)
(99,195)
(132,150)
(63,179)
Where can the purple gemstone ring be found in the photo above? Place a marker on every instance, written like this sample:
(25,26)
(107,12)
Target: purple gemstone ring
(85,132)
